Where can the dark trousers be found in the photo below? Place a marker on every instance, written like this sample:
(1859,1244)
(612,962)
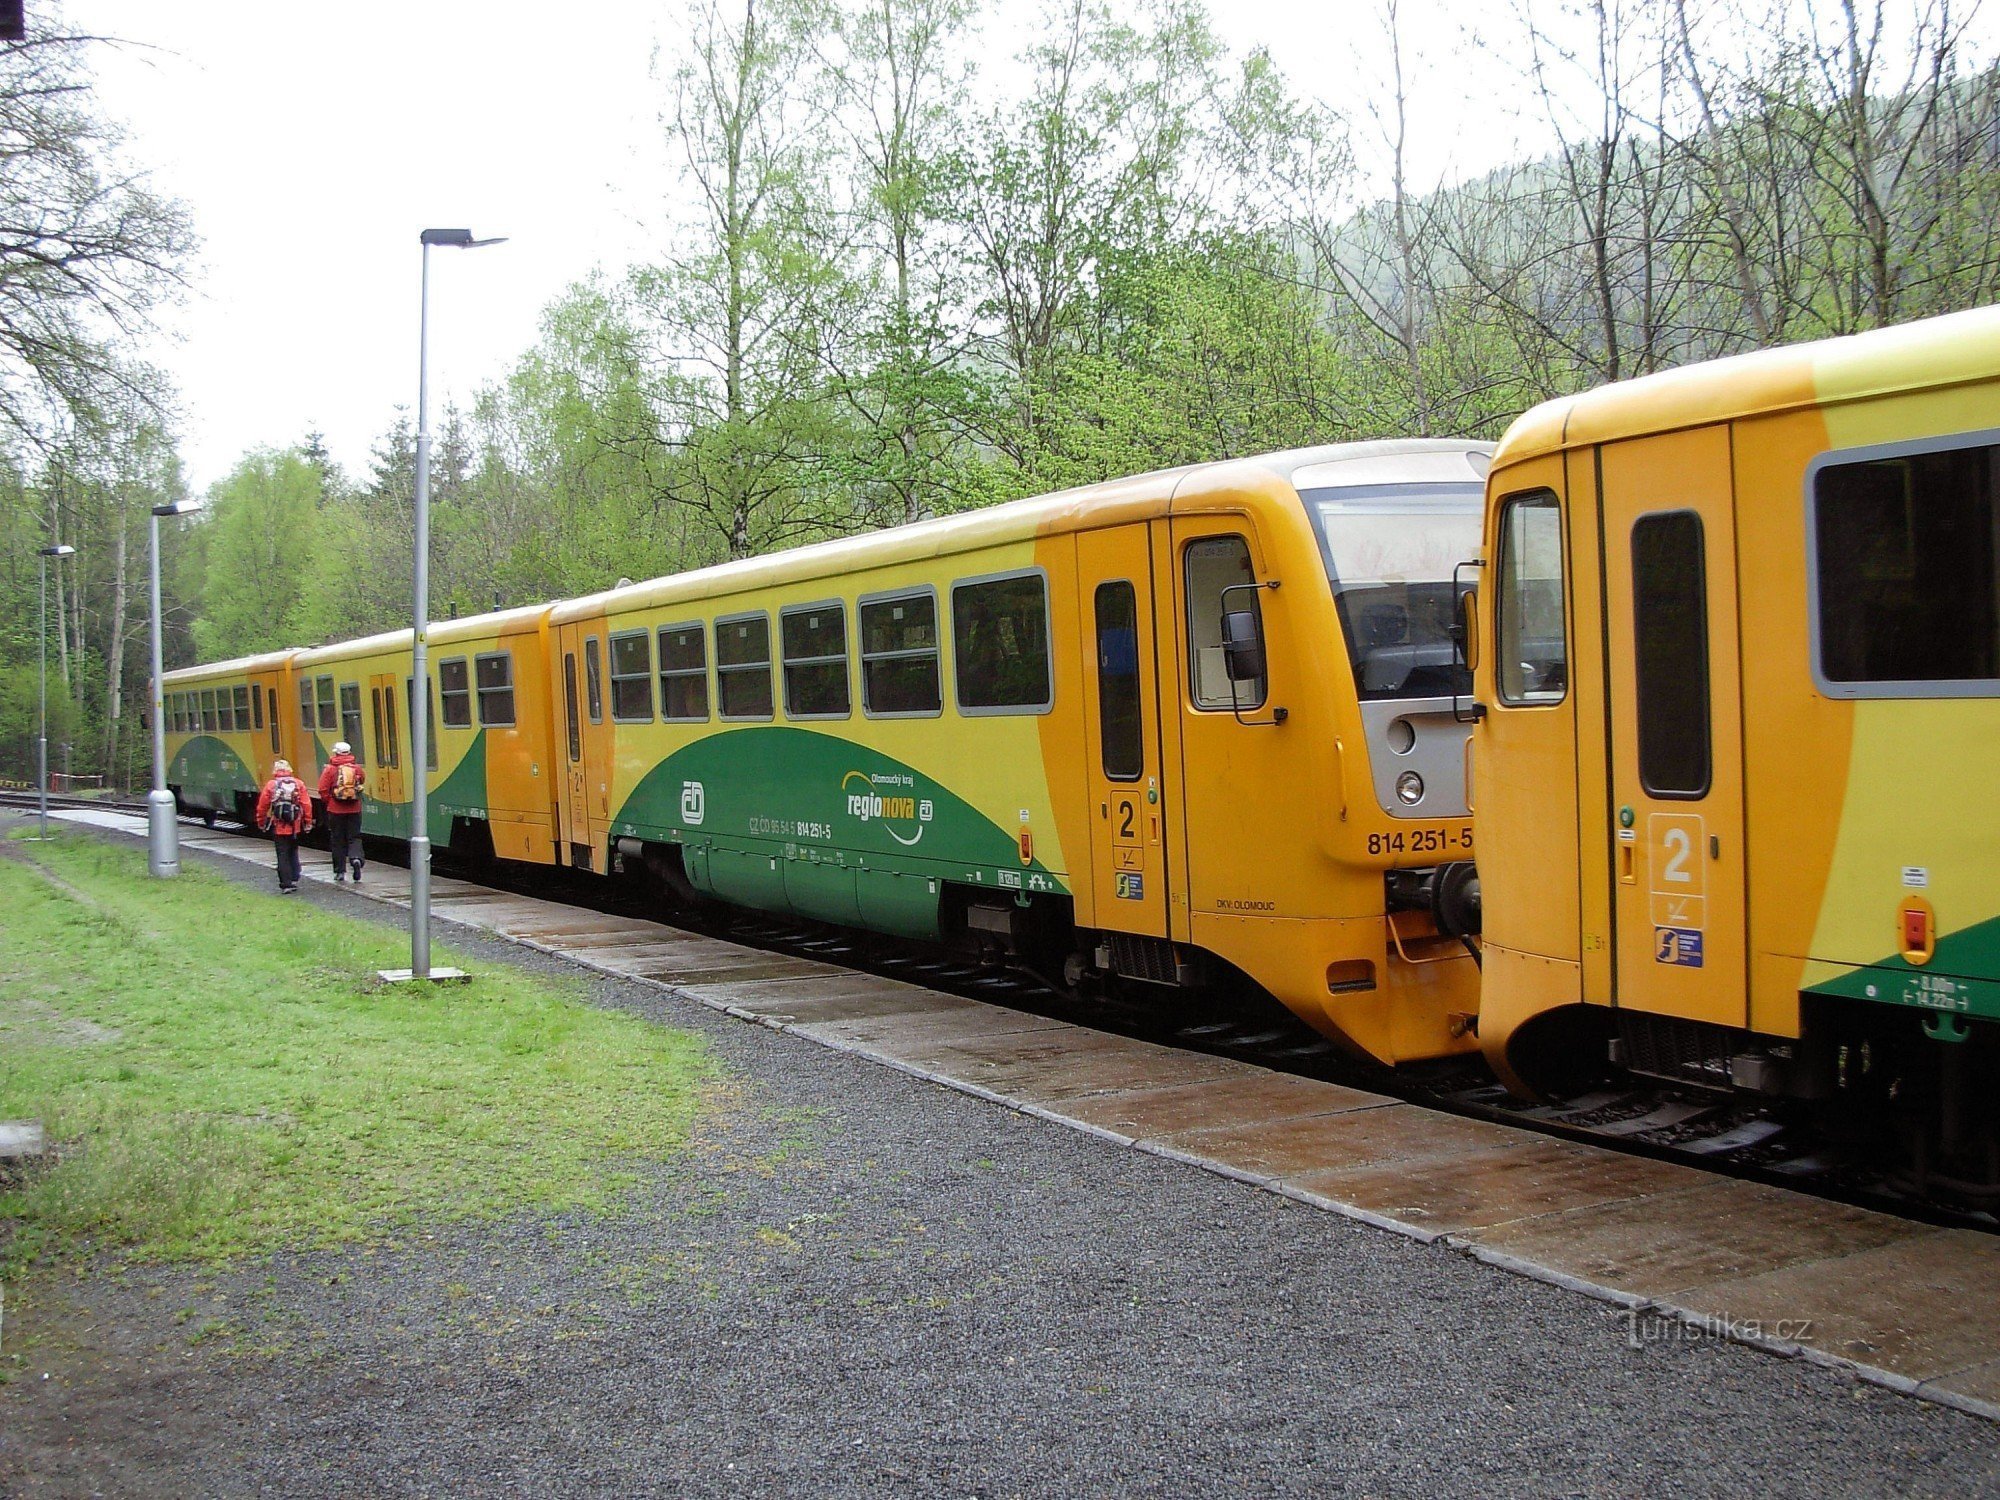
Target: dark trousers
(343,838)
(288,859)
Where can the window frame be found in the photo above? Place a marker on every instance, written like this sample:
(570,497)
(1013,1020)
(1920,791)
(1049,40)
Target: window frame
(700,628)
(1942,687)
(354,739)
(1048,644)
(1238,704)
(479,693)
(645,638)
(327,704)
(463,694)
(1640,718)
(785,663)
(936,651)
(1540,495)
(209,721)
(1104,738)
(593,678)
(767,668)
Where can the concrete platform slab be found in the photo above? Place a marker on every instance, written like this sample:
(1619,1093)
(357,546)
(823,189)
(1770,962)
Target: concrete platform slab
(805,1005)
(910,1028)
(1255,1095)
(733,992)
(1282,1149)
(751,965)
(1049,1065)
(1519,1180)
(1709,1231)
(1924,1306)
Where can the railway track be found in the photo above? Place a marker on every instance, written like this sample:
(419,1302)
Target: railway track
(1746,1139)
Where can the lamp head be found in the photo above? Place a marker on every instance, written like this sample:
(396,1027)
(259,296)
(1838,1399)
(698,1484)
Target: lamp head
(62,551)
(456,239)
(180,508)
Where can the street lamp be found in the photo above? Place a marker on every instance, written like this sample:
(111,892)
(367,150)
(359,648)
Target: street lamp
(163,843)
(420,608)
(42,638)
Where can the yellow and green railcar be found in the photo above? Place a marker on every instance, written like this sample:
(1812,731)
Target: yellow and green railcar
(1737,786)
(224,727)
(489,777)
(1163,731)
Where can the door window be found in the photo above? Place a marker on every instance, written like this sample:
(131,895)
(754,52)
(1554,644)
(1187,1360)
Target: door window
(1119,710)
(1670,641)
(593,679)
(569,706)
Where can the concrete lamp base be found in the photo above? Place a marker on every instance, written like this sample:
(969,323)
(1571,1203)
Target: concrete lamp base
(439,975)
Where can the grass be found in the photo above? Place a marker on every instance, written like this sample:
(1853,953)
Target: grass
(223,1075)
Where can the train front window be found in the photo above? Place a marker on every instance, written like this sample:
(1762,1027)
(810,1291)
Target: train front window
(1390,550)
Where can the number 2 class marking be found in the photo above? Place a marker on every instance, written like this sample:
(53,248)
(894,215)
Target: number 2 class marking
(1679,847)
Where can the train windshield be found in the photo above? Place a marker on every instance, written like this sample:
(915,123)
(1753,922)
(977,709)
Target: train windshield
(1390,550)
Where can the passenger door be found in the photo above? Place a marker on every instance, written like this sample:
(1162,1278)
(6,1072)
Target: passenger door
(587,744)
(1121,710)
(385,777)
(1676,753)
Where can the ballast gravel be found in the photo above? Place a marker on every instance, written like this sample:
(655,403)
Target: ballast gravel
(858,1284)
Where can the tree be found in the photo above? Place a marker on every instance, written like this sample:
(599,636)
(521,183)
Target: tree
(259,543)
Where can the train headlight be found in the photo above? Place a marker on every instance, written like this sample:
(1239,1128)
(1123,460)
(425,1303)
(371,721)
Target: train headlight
(1410,787)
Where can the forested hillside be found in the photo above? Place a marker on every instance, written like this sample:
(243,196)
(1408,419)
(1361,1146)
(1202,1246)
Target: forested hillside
(897,279)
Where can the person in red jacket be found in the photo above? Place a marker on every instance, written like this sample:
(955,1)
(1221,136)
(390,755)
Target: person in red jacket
(340,793)
(285,811)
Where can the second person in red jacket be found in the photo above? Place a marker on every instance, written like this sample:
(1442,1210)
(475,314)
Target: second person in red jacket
(340,794)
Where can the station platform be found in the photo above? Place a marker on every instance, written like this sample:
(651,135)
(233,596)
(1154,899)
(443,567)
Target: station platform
(1901,1304)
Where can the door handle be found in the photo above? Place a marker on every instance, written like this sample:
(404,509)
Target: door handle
(1627,859)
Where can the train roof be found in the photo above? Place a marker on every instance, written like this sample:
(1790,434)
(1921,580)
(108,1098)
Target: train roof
(1113,502)
(1934,352)
(236,667)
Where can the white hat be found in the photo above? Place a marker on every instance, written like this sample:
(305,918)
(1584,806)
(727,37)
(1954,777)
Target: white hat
(341,747)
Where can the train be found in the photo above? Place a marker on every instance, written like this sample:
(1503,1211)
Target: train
(1707,661)
(1189,734)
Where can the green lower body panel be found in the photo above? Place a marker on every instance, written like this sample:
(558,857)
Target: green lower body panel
(1962,978)
(817,890)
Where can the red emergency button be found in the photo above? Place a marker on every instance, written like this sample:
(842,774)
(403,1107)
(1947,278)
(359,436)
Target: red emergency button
(1916,923)
(1027,847)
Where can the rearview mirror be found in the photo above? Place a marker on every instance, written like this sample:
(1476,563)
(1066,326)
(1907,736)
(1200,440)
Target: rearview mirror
(1242,646)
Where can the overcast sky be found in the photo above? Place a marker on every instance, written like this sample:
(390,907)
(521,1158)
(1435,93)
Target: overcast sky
(313,142)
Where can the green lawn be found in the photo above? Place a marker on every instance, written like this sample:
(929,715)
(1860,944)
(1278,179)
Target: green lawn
(223,1073)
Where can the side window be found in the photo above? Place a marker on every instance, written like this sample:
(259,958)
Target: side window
(1670,642)
(208,719)
(632,677)
(899,656)
(1907,573)
(350,718)
(593,672)
(495,674)
(327,718)
(1215,566)
(683,673)
(455,688)
(240,697)
(1121,721)
(1000,644)
(743,667)
(815,642)
(224,719)
(306,704)
(1531,653)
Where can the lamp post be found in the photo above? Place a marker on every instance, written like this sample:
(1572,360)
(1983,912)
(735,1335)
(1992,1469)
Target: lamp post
(163,842)
(42,639)
(420,608)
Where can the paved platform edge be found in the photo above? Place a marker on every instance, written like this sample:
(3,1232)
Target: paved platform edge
(1923,1390)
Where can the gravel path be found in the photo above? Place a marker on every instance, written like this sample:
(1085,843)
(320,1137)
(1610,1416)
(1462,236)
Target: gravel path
(860,1284)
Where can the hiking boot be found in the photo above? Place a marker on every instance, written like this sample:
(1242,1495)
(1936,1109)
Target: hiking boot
(357,872)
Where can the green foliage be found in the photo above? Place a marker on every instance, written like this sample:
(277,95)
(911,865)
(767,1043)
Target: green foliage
(260,544)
